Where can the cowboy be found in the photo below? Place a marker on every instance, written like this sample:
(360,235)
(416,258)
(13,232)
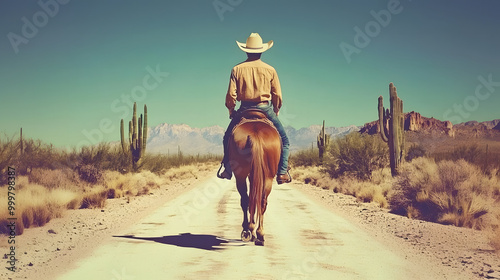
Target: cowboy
(256,85)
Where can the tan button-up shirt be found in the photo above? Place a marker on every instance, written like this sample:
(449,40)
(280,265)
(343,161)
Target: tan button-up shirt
(254,81)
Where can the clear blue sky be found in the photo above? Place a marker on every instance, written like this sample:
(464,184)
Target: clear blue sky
(68,70)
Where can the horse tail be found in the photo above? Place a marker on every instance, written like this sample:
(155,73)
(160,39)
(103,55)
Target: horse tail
(258,170)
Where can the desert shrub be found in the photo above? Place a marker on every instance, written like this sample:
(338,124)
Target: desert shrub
(89,173)
(356,155)
(469,153)
(308,157)
(104,157)
(415,151)
(486,157)
(447,192)
(37,154)
(58,178)
(8,151)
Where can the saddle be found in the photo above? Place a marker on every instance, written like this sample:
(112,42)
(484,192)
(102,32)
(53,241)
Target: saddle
(252,115)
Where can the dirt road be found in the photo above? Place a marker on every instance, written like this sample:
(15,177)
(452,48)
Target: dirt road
(196,236)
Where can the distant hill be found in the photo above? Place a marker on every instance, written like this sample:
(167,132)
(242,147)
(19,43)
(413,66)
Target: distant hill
(168,138)
(415,122)
(488,124)
(437,135)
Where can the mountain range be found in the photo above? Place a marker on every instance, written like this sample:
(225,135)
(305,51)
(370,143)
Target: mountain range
(170,138)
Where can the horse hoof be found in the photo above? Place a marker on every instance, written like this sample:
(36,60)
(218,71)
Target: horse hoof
(246,236)
(259,242)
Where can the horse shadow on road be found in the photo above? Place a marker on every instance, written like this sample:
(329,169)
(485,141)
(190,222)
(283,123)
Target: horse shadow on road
(188,240)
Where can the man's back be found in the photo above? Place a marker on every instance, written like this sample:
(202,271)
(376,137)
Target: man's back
(255,81)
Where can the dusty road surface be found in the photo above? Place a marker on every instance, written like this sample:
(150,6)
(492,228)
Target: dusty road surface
(196,236)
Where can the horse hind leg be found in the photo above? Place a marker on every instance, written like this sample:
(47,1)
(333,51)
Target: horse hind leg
(260,230)
(241,184)
(252,225)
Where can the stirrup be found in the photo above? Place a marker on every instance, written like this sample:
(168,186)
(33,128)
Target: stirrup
(289,176)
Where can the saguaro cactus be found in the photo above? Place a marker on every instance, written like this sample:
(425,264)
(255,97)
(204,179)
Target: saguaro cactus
(391,124)
(22,160)
(137,136)
(322,141)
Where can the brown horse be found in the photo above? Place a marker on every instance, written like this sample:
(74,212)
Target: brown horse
(254,152)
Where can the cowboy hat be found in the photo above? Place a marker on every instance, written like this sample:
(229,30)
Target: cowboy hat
(254,44)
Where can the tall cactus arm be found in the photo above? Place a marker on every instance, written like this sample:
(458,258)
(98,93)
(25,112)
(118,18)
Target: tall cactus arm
(395,114)
(131,144)
(145,128)
(382,119)
(21,142)
(139,139)
(122,137)
(134,127)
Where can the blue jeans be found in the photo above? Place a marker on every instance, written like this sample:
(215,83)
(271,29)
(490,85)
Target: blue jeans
(268,110)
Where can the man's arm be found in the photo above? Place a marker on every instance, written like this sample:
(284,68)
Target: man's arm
(231,94)
(276,98)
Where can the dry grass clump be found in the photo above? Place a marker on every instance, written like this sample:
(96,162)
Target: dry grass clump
(181,172)
(131,184)
(36,206)
(365,191)
(94,198)
(374,190)
(206,166)
(448,192)
(308,175)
